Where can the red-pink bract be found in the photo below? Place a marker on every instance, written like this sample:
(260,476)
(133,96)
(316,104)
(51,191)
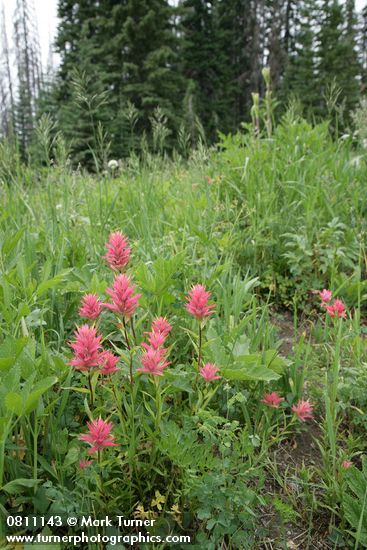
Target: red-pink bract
(90,306)
(161,325)
(346,464)
(86,348)
(272,400)
(330,310)
(156,340)
(325,295)
(108,362)
(209,372)
(197,302)
(83,464)
(118,251)
(98,435)
(124,300)
(303,410)
(337,309)
(153,361)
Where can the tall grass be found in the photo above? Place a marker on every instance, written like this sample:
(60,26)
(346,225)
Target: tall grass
(257,220)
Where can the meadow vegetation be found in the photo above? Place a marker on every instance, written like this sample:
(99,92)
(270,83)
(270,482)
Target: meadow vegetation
(268,455)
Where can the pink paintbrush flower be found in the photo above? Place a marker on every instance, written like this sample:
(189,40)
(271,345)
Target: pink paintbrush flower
(118,251)
(337,309)
(303,410)
(272,400)
(90,306)
(161,325)
(330,310)
(123,298)
(86,348)
(108,362)
(156,340)
(209,372)
(325,295)
(197,302)
(346,464)
(154,361)
(83,464)
(99,435)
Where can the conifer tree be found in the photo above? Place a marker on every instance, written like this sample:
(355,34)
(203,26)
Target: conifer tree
(126,53)
(300,78)
(79,88)
(28,64)
(151,76)
(338,63)
(6,82)
(363,49)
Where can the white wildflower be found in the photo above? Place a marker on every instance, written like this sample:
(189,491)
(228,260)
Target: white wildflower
(112,165)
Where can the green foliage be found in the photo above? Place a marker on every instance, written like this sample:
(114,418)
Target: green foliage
(259,221)
(214,458)
(294,202)
(355,503)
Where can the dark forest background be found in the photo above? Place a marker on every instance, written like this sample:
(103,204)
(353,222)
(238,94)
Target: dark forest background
(138,73)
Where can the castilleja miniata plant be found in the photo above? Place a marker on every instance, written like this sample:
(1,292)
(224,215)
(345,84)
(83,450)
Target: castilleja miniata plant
(129,370)
(105,365)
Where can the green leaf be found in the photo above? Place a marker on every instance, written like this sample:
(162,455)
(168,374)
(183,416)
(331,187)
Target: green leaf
(218,353)
(241,347)
(74,388)
(10,350)
(11,242)
(15,486)
(3,427)
(356,482)
(14,403)
(250,372)
(39,389)
(274,361)
(6,362)
(72,456)
(46,466)
(178,381)
(51,283)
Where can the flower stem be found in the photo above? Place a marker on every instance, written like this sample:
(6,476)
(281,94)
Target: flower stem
(199,353)
(90,389)
(129,348)
(200,344)
(133,328)
(158,403)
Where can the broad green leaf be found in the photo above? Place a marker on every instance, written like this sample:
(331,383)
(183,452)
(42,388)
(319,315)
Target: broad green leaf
(241,347)
(14,403)
(274,361)
(218,353)
(250,372)
(6,362)
(178,381)
(10,350)
(40,388)
(11,242)
(356,482)
(51,283)
(72,456)
(46,466)
(15,486)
